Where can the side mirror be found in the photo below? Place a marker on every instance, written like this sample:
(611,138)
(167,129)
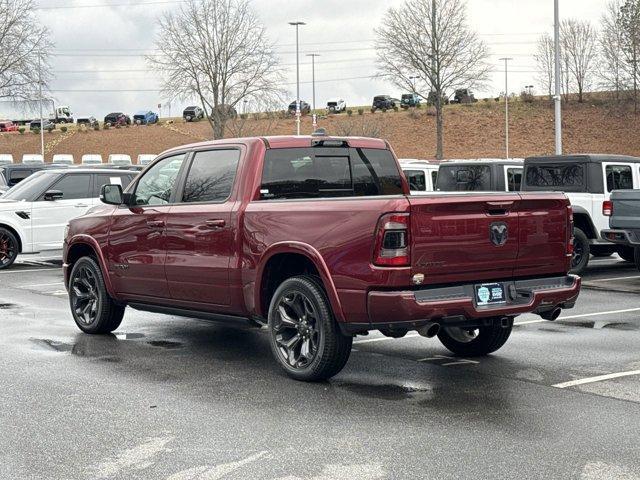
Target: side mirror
(111,195)
(51,195)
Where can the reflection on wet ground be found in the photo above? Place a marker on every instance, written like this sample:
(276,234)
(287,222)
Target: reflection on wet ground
(600,324)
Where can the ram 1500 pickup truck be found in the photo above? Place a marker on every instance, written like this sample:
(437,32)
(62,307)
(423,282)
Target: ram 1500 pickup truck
(623,210)
(317,239)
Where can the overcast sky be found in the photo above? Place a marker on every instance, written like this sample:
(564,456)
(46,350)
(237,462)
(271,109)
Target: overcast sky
(99,66)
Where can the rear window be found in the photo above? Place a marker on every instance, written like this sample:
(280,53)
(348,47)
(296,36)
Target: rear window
(319,172)
(462,178)
(514,179)
(565,177)
(619,177)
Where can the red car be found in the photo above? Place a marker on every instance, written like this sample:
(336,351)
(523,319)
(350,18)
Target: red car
(318,239)
(8,126)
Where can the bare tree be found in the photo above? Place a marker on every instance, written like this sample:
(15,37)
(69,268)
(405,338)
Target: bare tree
(545,62)
(431,39)
(580,50)
(218,52)
(24,47)
(613,72)
(362,126)
(629,18)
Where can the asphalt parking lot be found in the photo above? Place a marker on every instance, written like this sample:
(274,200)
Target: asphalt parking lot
(173,398)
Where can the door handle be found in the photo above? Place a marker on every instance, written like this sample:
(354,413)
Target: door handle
(217,223)
(155,223)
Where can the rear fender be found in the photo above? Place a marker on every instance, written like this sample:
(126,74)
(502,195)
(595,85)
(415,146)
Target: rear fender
(314,256)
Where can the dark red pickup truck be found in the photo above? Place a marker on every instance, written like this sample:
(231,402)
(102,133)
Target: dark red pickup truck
(318,239)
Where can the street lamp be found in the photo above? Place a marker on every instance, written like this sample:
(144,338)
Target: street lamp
(297,25)
(413,79)
(557,98)
(506,102)
(313,83)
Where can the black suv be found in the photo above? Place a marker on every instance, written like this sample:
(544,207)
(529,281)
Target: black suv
(117,118)
(383,102)
(192,114)
(305,108)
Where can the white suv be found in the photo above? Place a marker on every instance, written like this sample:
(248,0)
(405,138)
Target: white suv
(588,181)
(336,105)
(34,213)
(420,174)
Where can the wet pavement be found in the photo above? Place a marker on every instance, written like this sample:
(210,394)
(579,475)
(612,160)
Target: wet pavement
(172,398)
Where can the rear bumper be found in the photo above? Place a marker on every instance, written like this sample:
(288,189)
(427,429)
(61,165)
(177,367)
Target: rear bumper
(398,310)
(622,237)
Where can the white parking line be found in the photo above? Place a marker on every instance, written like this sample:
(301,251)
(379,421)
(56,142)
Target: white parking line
(11,272)
(599,378)
(614,279)
(596,314)
(40,285)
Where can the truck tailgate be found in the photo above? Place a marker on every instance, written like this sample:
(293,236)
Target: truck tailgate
(626,209)
(478,237)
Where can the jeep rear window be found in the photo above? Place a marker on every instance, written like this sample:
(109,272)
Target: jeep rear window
(318,172)
(461,178)
(566,177)
(417,180)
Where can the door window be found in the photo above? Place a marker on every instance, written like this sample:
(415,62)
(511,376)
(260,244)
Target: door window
(157,184)
(110,179)
(72,186)
(416,179)
(514,179)
(434,177)
(619,177)
(211,176)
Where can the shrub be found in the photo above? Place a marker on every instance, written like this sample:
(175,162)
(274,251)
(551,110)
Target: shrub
(395,109)
(107,126)
(96,127)
(63,129)
(36,131)
(373,110)
(349,112)
(526,97)
(21,130)
(361,111)
(418,105)
(414,114)
(256,116)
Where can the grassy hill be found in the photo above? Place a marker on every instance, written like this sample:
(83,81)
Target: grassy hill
(471,131)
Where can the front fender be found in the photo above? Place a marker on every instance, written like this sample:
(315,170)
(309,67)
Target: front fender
(82,239)
(24,238)
(315,257)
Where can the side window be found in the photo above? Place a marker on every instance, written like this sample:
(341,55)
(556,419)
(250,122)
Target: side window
(110,179)
(434,178)
(619,177)
(211,176)
(157,184)
(16,176)
(514,179)
(417,180)
(73,186)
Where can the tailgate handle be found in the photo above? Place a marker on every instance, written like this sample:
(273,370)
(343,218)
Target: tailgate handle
(498,208)
(216,223)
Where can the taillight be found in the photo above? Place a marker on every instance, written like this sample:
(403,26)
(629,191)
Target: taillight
(570,230)
(607,208)
(392,241)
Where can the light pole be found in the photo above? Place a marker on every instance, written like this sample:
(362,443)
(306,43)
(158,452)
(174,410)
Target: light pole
(557,98)
(297,25)
(313,83)
(506,102)
(40,95)
(413,79)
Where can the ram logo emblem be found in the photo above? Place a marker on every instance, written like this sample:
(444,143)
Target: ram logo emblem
(498,233)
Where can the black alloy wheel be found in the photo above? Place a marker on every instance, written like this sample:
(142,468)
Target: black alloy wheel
(297,332)
(8,248)
(83,295)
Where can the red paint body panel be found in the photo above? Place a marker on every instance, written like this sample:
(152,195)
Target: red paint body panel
(169,255)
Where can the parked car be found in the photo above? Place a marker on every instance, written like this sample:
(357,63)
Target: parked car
(336,105)
(90,121)
(193,113)
(117,118)
(382,102)
(15,173)
(145,159)
(464,95)
(91,159)
(421,175)
(8,126)
(34,213)
(32,158)
(145,117)
(62,159)
(409,100)
(482,175)
(3,186)
(588,181)
(623,210)
(256,236)
(46,125)
(305,108)
(119,159)
(6,159)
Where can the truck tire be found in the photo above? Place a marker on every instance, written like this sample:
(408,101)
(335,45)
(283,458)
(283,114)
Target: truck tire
(9,247)
(475,342)
(627,254)
(304,336)
(93,310)
(581,251)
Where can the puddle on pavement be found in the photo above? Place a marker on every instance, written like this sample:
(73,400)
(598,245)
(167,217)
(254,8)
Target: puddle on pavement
(599,325)
(53,344)
(164,344)
(7,306)
(387,391)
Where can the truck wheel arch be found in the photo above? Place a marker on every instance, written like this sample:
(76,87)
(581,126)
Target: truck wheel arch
(307,257)
(583,221)
(82,246)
